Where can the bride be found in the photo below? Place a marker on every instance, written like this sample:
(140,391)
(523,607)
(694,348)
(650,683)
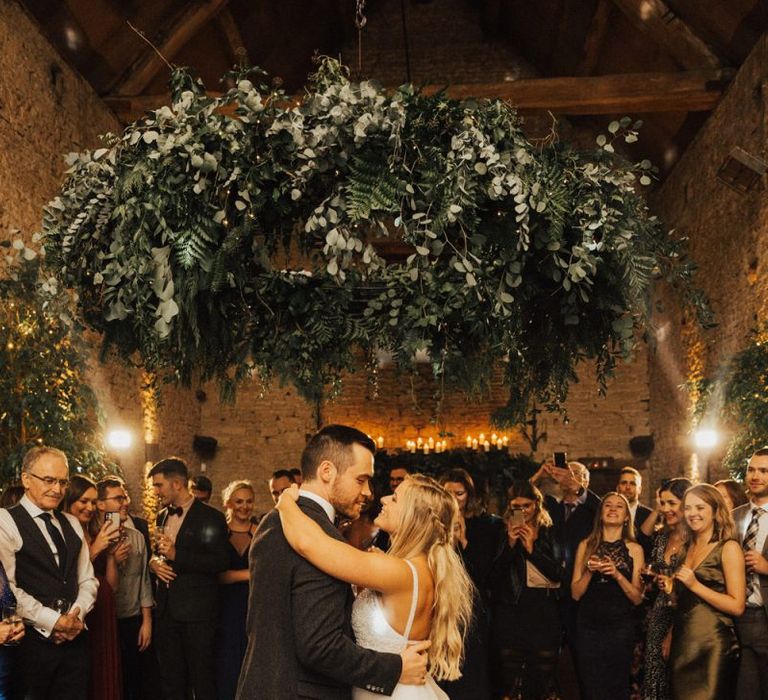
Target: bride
(418,590)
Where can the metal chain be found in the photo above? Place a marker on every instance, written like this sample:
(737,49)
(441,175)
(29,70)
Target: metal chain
(360,21)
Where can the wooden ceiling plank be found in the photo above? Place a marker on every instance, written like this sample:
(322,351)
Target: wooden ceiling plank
(238,52)
(594,40)
(690,91)
(656,18)
(186,25)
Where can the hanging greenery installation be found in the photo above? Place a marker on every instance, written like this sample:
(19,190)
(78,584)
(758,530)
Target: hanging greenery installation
(222,236)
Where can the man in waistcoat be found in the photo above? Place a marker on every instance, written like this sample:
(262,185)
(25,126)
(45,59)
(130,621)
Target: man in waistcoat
(50,573)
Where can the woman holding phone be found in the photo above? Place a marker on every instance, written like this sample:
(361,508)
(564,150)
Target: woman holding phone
(525,591)
(105,550)
(606,581)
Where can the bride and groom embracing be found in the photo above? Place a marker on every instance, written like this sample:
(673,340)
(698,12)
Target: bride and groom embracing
(302,622)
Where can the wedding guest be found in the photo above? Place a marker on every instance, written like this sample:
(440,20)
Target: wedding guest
(478,538)
(133,597)
(751,521)
(11,633)
(105,549)
(397,476)
(11,495)
(630,486)
(525,613)
(231,638)
(48,569)
(732,492)
(297,477)
(201,488)
(280,480)
(665,556)
(710,591)
(606,582)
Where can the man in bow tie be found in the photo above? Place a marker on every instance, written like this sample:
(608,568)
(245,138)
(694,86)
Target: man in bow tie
(49,571)
(191,551)
(752,525)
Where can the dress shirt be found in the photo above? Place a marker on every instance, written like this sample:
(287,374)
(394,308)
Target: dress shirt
(30,609)
(173,522)
(756,598)
(633,509)
(330,511)
(135,589)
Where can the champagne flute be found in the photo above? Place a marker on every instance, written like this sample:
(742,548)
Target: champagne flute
(11,617)
(159,532)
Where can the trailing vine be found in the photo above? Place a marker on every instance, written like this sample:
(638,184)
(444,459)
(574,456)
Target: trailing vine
(238,234)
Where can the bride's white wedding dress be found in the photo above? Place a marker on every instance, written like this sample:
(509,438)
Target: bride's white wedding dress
(372,631)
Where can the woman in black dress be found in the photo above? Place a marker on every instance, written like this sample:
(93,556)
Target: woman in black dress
(478,539)
(606,581)
(665,559)
(525,590)
(238,498)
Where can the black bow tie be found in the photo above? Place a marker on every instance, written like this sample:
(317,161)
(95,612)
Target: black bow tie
(175,510)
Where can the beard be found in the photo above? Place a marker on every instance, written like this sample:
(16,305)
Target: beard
(347,504)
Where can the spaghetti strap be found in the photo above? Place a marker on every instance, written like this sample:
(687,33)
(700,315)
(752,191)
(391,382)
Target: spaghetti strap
(414,599)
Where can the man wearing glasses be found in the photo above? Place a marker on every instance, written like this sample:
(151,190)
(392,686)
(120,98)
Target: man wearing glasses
(133,598)
(50,573)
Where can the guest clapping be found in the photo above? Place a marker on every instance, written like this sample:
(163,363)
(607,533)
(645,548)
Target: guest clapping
(606,581)
(710,592)
(525,582)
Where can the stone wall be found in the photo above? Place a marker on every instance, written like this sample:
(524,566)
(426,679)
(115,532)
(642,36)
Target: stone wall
(727,231)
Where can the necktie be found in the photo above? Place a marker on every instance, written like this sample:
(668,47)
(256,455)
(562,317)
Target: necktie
(750,542)
(58,540)
(569,508)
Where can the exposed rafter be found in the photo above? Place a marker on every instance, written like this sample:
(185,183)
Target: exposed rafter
(186,25)
(656,18)
(595,37)
(634,93)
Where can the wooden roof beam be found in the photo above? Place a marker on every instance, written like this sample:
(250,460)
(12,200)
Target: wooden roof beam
(656,18)
(186,25)
(595,37)
(630,93)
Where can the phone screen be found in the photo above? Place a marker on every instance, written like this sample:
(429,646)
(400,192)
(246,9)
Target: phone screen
(517,517)
(561,460)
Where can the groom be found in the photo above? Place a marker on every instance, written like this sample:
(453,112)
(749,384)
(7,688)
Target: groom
(299,633)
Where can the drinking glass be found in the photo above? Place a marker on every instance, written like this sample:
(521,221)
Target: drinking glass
(11,617)
(61,606)
(159,531)
(666,582)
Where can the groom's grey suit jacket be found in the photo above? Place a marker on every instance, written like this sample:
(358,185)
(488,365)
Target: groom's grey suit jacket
(741,517)
(300,642)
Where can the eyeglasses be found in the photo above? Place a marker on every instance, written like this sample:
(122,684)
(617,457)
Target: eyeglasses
(51,481)
(119,499)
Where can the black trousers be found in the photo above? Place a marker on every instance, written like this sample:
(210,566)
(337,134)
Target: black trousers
(51,671)
(185,654)
(752,627)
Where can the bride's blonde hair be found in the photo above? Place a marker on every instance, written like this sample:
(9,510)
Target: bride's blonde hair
(427,517)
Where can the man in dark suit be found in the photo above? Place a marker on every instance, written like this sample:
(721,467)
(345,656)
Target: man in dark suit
(192,550)
(299,634)
(573,517)
(752,526)
(49,571)
(630,486)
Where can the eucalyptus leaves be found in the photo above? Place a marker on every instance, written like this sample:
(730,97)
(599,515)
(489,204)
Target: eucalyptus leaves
(223,244)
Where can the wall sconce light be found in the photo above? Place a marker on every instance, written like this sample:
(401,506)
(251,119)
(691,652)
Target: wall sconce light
(705,438)
(741,171)
(119,439)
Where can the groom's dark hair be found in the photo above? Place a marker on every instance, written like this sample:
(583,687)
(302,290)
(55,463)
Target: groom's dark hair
(334,444)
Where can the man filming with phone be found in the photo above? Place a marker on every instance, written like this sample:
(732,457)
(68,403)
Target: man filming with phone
(573,516)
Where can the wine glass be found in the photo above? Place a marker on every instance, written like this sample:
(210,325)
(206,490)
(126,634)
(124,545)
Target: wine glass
(666,582)
(11,617)
(159,532)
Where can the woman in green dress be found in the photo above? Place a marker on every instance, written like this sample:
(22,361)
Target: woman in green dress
(710,588)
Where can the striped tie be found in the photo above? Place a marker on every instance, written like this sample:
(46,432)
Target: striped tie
(750,542)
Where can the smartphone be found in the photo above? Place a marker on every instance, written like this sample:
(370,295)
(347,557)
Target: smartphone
(114,520)
(517,518)
(561,460)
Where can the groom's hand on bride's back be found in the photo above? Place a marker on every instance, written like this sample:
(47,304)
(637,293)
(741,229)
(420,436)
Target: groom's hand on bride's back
(415,663)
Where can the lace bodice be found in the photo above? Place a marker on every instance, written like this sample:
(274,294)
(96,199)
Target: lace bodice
(371,628)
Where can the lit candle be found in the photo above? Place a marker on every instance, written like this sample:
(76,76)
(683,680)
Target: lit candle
(412,446)
(380,442)
(481,437)
(469,441)
(505,441)
(431,442)
(426,448)
(494,439)
(419,442)
(487,446)
(474,444)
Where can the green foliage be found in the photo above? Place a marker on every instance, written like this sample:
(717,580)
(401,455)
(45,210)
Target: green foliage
(226,246)
(746,402)
(44,398)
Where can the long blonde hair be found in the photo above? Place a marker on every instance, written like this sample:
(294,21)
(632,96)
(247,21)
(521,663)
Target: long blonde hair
(427,516)
(595,538)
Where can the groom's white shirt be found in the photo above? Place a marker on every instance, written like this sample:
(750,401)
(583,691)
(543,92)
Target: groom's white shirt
(330,511)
